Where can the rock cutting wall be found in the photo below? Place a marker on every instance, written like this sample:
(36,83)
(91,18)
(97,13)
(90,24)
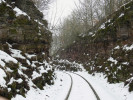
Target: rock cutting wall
(24,49)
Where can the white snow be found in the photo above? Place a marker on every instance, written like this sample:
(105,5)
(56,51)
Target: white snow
(80,89)
(58,91)
(125,63)
(102,26)
(122,14)
(90,33)
(73,64)
(30,55)
(2,1)
(128,8)
(9,89)
(93,35)
(109,21)
(33,63)
(2,80)
(20,72)
(130,79)
(5,57)
(105,90)
(128,47)
(39,22)
(9,70)
(117,47)
(21,67)
(35,75)
(49,67)
(112,60)
(16,53)
(28,62)
(19,12)
(42,70)
(13,80)
(9,6)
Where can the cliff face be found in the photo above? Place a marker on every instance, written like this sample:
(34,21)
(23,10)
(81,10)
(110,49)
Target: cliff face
(107,48)
(29,31)
(24,48)
(28,7)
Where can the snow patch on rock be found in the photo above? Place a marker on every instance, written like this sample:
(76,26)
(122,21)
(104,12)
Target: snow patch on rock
(4,57)
(113,60)
(2,80)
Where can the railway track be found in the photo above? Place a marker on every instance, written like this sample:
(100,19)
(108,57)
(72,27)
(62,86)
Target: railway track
(68,94)
(70,89)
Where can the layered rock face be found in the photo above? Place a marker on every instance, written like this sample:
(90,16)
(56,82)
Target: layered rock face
(28,7)
(24,49)
(107,48)
(29,31)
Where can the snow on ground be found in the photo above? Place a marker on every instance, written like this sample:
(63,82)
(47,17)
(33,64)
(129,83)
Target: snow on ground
(80,89)
(5,57)
(58,91)
(106,90)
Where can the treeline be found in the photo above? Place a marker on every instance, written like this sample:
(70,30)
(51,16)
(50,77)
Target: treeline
(87,14)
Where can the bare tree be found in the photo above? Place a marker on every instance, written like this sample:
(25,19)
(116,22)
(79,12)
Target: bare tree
(42,4)
(86,15)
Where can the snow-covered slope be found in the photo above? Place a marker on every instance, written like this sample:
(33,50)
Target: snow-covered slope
(20,74)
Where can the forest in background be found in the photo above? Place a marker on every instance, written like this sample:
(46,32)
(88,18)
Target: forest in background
(87,15)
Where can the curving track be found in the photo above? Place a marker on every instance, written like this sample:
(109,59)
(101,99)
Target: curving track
(68,94)
(80,89)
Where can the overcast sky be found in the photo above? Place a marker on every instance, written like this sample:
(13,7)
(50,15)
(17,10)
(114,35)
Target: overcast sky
(60,9)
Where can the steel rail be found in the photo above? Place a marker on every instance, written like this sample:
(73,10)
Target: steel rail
(68,94)
(98,98)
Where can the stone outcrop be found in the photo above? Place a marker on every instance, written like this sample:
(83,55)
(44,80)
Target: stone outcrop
(26,35)
(28,7)
(32,36)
